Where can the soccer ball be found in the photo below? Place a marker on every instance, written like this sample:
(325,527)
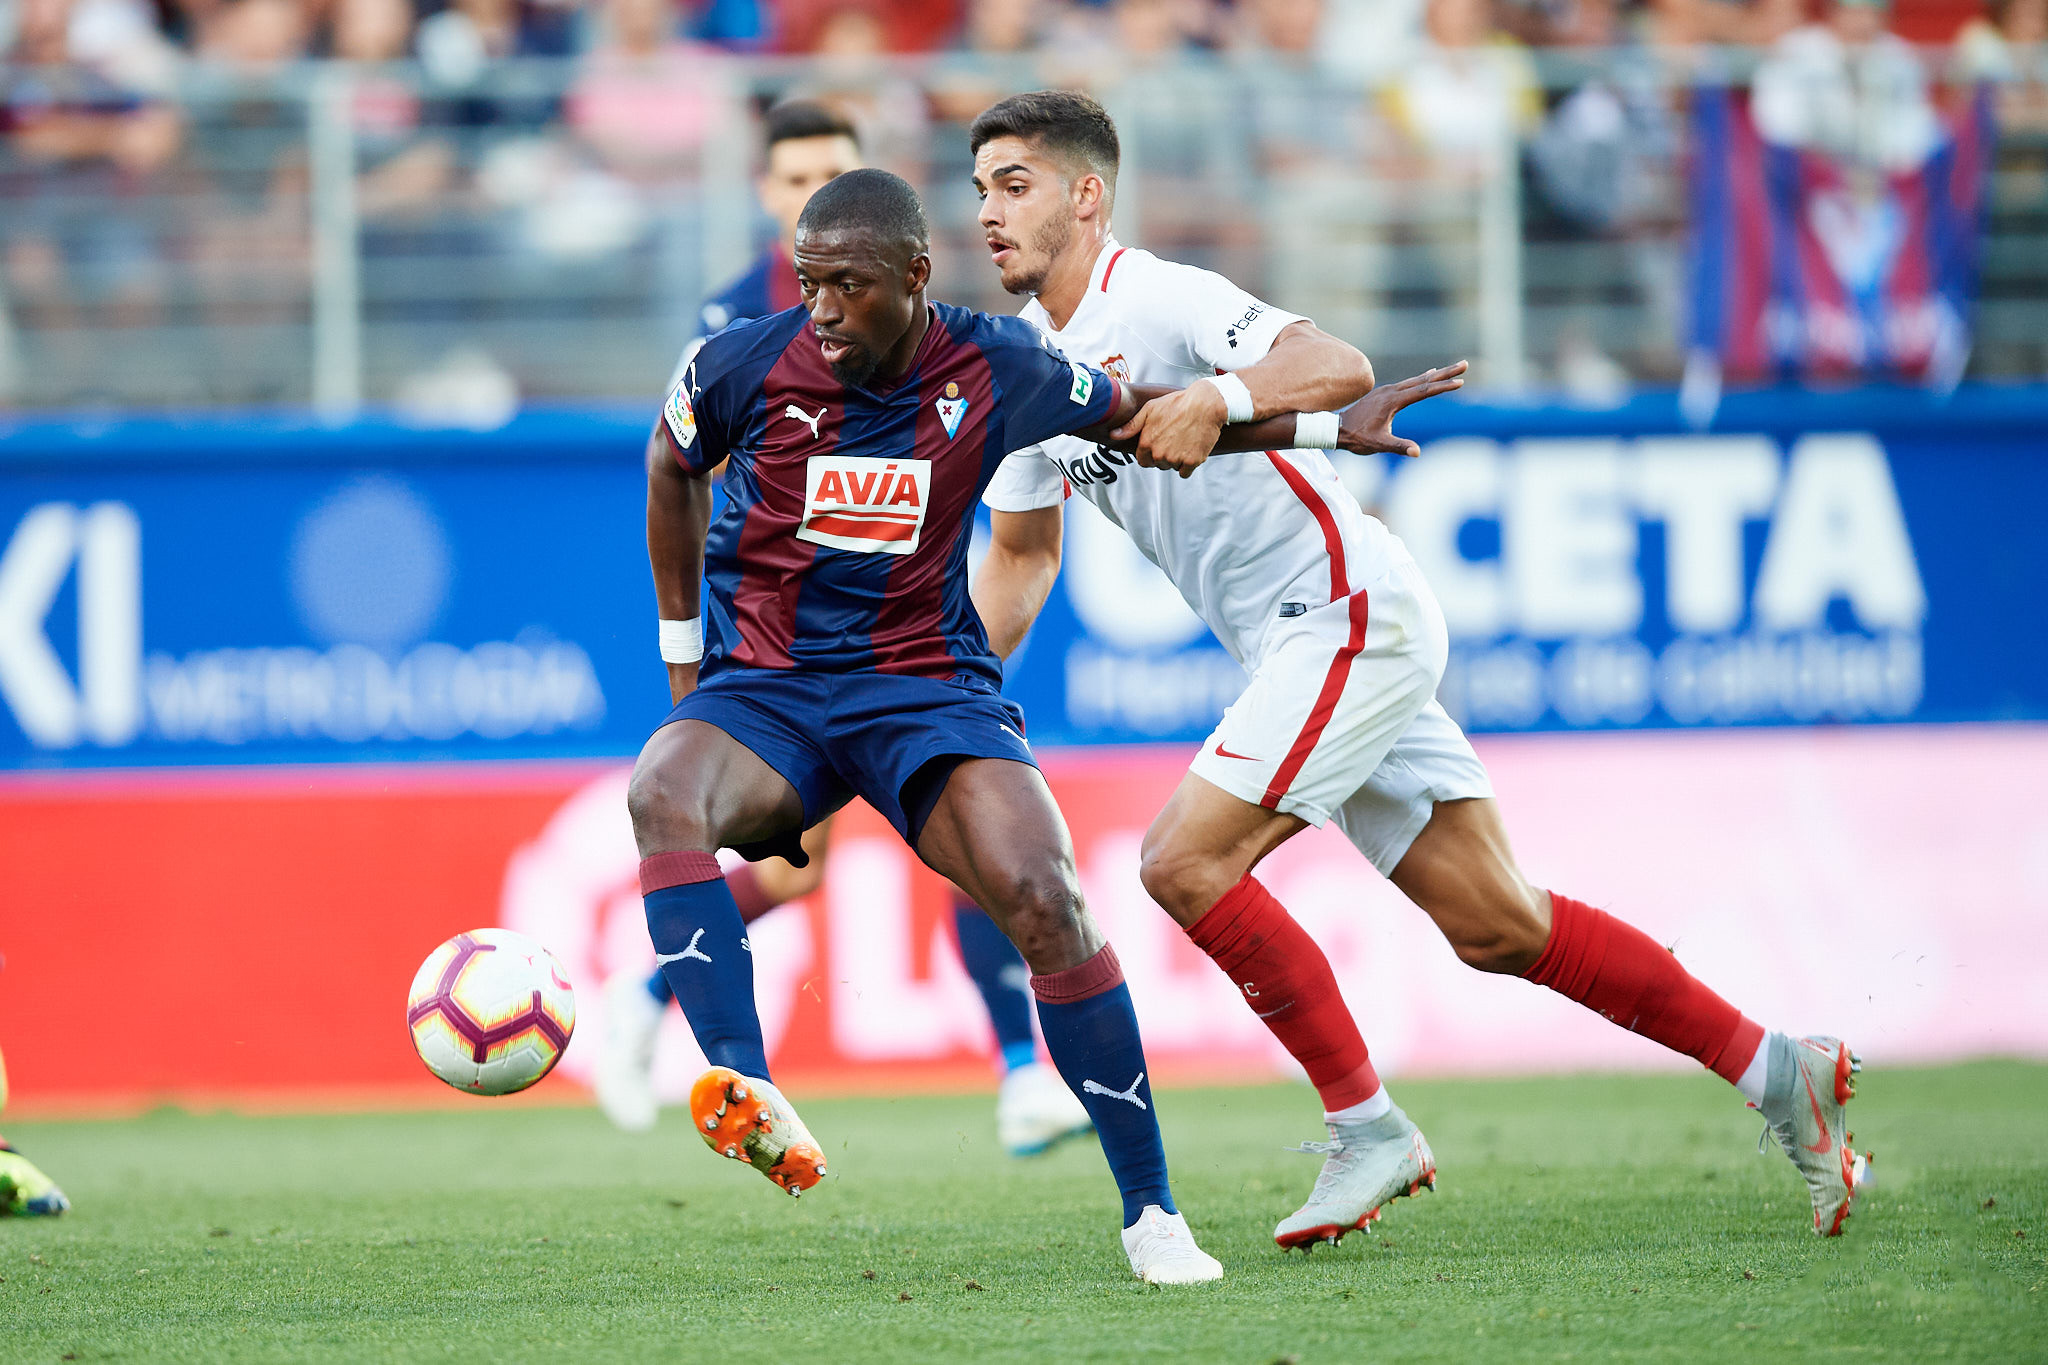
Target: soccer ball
(490,1012)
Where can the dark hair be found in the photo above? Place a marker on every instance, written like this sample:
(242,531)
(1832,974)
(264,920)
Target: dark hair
(1066,123)
(795,119)
(869,200)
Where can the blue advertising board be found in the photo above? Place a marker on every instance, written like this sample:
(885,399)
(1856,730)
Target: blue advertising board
(268,590)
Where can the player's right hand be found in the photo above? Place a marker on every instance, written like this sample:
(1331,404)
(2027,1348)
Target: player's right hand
(1367,427)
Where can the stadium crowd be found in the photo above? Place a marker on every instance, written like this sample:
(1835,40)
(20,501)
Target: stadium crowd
(154,156)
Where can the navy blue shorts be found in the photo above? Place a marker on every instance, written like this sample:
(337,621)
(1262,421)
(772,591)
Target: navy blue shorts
(884,737)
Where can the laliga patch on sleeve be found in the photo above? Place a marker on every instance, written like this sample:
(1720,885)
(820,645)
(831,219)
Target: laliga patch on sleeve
(1084,383)
(680,416)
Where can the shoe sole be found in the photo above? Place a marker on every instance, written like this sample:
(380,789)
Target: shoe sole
(731,1118)
(1855,1166)
(1332,1233)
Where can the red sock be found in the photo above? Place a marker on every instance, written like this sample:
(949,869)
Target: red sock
(1287,981)
(745,884)
(1618,971)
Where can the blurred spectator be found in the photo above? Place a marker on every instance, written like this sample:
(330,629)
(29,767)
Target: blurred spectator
(1598,154)
(120,39)
(1288,31)
(1601,164)
(2010,46)
(1465,96)
(1849,89)
(851,43)
(644,99)
(84,150)
(1745,23)
(255,35)
(403,170)
(247,192)
(1007,34)
(458,43)
(1371,37)
(855,28)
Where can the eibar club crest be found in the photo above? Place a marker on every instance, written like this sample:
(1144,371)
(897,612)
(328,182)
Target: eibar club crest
(951,409)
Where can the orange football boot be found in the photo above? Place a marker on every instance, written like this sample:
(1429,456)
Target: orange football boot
(749,1120)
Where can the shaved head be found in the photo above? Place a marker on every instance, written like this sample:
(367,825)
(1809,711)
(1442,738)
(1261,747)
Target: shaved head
(871,205)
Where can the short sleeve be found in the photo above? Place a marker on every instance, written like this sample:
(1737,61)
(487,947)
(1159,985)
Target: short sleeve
(1213,322)
(1044,393)
(1025,481)
(693,414)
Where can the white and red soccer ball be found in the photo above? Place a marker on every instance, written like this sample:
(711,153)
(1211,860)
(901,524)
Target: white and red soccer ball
(490,1011)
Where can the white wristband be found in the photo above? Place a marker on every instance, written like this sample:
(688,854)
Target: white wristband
(1237,399)
(682,642)
(1316,430)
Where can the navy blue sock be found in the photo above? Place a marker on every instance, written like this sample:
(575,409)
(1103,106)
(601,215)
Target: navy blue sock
(702,947)
(1091,1031)
(1002,978)
(657,986)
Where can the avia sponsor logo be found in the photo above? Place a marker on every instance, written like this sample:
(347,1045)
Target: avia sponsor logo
(868,505)
(1687,580)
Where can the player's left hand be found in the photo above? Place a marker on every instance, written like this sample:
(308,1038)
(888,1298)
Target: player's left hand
(1177,431)
(1367,427)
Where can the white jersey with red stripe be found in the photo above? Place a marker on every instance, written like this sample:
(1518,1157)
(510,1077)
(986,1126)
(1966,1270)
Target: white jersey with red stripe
(1324,607)
(1248,539)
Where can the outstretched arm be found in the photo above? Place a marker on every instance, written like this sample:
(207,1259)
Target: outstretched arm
(678,518)
(1123,428)
(1011,586)
(1305,370)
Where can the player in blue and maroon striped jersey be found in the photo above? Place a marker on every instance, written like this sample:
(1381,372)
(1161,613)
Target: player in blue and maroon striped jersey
(807,145)
(844,657)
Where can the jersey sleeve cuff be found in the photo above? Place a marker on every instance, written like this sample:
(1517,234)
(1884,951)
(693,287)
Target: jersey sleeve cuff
(1035,500)
(1253,346)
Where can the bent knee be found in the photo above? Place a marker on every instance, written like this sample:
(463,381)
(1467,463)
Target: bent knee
(1185,882)
(666,813)
(1042,912)
(1503,929)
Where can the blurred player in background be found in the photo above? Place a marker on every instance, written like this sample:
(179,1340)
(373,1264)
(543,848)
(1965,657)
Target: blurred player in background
(1345,644)
(807,145)
(24,1190)
(844,657)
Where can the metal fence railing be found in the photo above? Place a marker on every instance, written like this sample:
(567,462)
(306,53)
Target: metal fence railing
(336,235)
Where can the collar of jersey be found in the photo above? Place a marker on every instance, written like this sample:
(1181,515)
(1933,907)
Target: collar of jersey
(933,327)
(1110,246)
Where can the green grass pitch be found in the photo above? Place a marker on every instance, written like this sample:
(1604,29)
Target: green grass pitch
(1583,1218)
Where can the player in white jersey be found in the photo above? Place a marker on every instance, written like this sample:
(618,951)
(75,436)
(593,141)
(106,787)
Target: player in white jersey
(1344,644)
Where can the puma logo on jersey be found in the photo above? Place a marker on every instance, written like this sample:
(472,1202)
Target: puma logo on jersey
(812,422)
(874,506)
(688,954)
(1130,1092)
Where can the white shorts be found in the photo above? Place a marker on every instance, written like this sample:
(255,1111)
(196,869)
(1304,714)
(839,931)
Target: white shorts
(1341,722)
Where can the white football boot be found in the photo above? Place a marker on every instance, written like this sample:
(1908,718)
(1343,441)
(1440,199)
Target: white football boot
(625,1064)
(1365,1165)
(1808,1085)
(1163,1251)
(1035,1111)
